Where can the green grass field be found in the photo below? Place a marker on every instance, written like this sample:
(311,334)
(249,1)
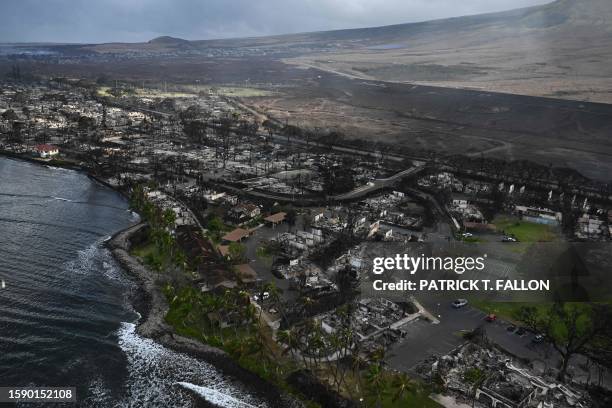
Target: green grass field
(147,93)
(472,240)
(525,231)
(142,251)
(243,92)
(505,310)
(418,399)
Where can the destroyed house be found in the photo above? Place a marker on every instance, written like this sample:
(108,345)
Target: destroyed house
(243,213)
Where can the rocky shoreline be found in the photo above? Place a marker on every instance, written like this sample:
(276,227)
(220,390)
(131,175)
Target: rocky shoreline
(151,303)
(152,306)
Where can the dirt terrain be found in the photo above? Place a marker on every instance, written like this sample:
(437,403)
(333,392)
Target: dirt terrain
(560,50)
(451,86)
(445,120)
(454,121)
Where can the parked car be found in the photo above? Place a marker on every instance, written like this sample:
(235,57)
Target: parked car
(264,296)
(511,328)
(521,331)
(491,317)
(539,338)
(459,303)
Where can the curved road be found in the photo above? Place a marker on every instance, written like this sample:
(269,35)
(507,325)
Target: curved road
(377,184)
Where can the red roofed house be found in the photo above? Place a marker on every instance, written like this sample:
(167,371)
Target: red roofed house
(275,219)
(246,273)
(236,235)
(46,150)
(223,250)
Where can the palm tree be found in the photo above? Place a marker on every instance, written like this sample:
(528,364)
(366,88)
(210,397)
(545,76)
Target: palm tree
(337,345)
(168,218)
(313,342)
(306,304)
(181,260)
(357,363)
(244,297)
(378,356)
(377,383)
(275,297)
(249,315)
(217,304)
(290,339)
(478,381)
(342,346)
(403,386)
(228,304)
(243,346)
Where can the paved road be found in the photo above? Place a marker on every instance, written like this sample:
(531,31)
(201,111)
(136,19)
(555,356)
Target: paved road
(351,195)
(377,184)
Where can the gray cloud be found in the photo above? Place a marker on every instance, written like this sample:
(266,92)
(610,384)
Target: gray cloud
(141,20)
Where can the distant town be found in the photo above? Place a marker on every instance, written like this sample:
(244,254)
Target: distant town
(260,233)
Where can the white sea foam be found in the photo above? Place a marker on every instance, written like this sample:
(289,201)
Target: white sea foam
(61,199)
(216,397)
(98,394)
(155,372)
(56,168)
(89,259)
(110,268)
(84,261)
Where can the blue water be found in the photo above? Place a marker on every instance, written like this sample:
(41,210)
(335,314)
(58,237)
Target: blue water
(65,313)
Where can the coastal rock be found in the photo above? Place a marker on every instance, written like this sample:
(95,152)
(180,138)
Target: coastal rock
(152,306)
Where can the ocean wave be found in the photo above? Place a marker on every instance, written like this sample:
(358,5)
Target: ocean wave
(216,397)
(62,199)
(84,261)
(57,168)
(99,395)
(155,371)
(49,198)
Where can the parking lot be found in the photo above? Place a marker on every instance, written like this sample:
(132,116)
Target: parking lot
(424,338)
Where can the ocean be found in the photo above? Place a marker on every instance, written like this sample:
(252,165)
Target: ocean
(65,312)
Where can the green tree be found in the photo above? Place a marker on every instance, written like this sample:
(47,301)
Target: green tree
(169,218)
(237,251)
(403,386)
(474,377)
(290,339)
(215,224)
(571,328)
(376,382)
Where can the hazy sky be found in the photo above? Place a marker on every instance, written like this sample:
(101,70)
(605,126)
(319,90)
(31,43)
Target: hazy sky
(141,20)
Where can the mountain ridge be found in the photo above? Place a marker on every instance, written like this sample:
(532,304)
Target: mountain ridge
(561,49)
(585,13)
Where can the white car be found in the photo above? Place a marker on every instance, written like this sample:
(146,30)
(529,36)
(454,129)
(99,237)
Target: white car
(265,296)
(459,303)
